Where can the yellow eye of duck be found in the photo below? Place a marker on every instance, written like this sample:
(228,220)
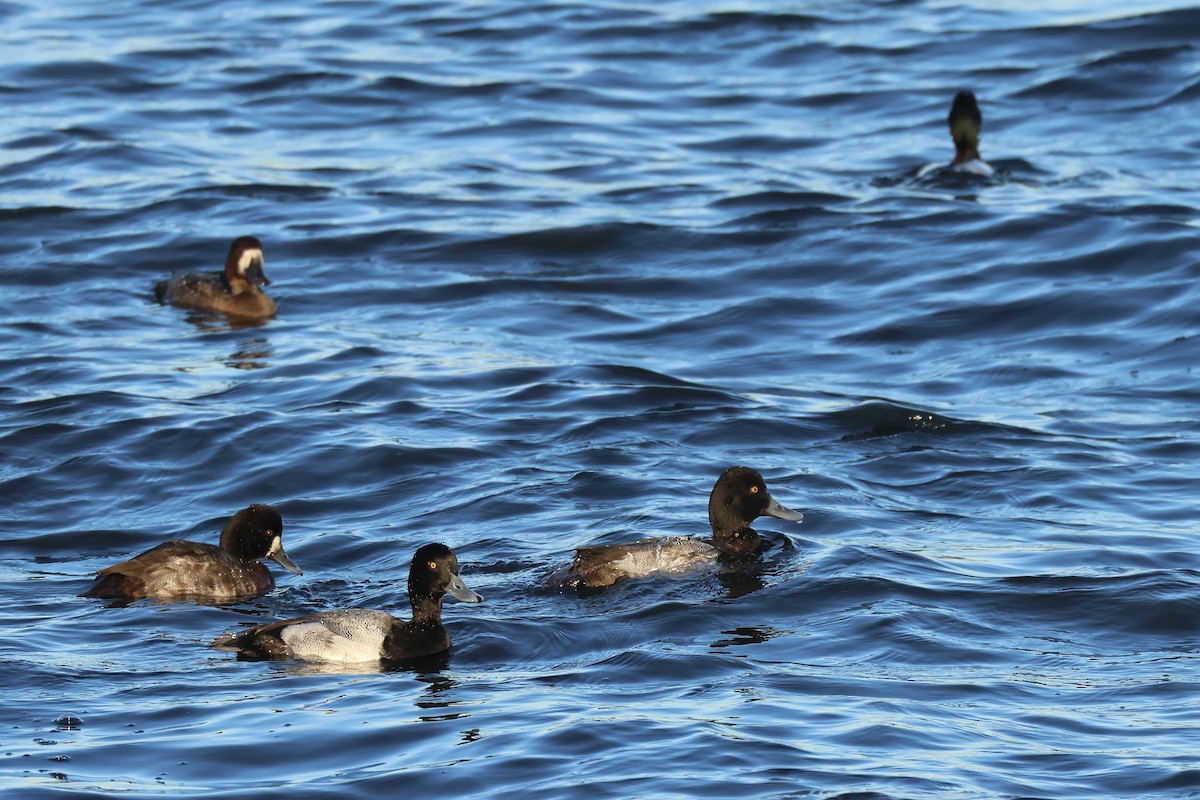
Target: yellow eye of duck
(433,565)
(753,490)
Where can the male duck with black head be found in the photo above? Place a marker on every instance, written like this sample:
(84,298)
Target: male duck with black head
(183,570)
(234,292)
(966,122)
(360,635)
(738,498)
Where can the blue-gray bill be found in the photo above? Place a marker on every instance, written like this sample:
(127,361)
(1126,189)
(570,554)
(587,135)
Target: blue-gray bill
(459,589)
(774,509)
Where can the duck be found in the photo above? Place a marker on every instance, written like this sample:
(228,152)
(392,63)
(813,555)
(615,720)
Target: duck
(183,570)
(965,122)
(234,292)
(738,498)
(359,635)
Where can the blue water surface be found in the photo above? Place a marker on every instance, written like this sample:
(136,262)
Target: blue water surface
(543,271)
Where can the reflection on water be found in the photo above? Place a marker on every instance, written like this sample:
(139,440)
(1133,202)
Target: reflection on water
(744,636)
(744,580)
(297,669)
(251,354)
(208,322)
(438,683)
(426,670)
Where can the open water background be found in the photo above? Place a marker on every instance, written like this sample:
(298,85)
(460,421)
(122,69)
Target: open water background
(544,269)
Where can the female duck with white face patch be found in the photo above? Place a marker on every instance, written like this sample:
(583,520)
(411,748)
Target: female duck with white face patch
(739,497)
(182,570)
(359,635)
(234,292)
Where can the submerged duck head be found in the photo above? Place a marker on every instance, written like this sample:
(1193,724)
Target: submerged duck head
(244,265)
(433,573)
(965,124)
(739,497)
(257,532)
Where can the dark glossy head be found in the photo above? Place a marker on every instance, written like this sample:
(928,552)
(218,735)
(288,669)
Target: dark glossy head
(965,124)
(245,262)
(739,497)
(257,532)
(433,573)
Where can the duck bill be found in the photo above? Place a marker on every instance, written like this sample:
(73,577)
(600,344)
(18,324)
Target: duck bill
(256,275)
(459,589)
(281,558)
(774,509)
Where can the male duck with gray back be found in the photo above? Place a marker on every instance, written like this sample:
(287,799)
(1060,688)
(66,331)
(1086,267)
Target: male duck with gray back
(183,570)
(234,292)
(965,125)
(738,498)
(358,635)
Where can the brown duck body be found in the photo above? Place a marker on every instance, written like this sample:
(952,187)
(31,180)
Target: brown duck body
(183,570)
(180,569)
(738,498)
(235,291)
(606,564)
(212,292)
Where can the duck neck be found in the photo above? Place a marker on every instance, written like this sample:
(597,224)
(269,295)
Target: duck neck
(426,607)
(964,152)
(738,541)
(237,284)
